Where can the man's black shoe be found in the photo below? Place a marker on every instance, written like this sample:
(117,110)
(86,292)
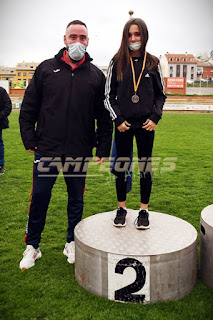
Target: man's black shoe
(120,219)
(2,170)
(142,221)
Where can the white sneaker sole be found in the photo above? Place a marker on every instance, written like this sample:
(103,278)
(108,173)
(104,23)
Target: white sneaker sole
(142,227)
(119,225)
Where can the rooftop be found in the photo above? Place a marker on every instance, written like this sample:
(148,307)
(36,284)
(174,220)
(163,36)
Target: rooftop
(26,65)
(180,58)
(7,70)
(204,64)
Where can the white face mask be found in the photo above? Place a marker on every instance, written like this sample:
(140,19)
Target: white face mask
(76,50)
(134,46)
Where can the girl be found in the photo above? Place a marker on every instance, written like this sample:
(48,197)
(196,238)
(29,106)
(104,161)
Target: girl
(135,98)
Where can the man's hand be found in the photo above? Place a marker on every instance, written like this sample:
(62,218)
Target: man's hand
(99,160)
(149,125)
(32,150)
(124,126)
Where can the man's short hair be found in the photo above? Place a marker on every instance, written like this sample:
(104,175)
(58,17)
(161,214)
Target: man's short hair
(76,22)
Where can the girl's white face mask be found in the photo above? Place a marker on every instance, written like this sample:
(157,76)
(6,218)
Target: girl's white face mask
(134,46)
(76,50)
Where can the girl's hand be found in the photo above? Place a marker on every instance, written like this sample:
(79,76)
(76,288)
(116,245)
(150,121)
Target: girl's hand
(124,126)
(149,125)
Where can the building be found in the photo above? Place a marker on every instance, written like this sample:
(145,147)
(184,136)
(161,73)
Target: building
(205,70)
(104,69)
(7,73)
(22,71)
(25,70)
(179,65)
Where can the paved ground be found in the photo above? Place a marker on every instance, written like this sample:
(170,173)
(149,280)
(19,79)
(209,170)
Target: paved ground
(187,100)
(199,90)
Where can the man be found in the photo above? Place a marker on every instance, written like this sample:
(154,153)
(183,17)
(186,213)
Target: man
(63,100)
(5,109)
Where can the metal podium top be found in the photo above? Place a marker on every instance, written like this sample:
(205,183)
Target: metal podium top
(207,215)
(166,234)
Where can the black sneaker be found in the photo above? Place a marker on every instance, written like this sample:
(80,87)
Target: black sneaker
(120,219)
(2,170)
(142,221)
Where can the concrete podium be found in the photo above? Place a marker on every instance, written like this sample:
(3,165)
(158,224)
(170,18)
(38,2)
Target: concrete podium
(130,265)
(206,246)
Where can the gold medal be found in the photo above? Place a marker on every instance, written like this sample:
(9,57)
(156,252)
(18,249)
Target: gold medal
(135,97)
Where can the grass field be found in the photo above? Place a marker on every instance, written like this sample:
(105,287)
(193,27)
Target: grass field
(49,290)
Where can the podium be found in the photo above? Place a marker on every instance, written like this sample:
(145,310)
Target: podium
(130,265)
(206,246)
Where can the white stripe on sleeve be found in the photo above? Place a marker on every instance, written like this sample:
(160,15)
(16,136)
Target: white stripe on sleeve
(161,77)
(107,91)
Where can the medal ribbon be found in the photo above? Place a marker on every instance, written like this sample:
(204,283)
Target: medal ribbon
(133,73)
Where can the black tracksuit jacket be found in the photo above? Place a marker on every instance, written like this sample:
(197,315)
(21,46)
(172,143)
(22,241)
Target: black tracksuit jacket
(151,92)
(5,108)
(60,107)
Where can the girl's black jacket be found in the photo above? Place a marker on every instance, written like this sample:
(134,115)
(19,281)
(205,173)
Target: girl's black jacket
(60,107)
(150,91)
(5,108)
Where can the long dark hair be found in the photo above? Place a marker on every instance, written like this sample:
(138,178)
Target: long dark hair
(122,57)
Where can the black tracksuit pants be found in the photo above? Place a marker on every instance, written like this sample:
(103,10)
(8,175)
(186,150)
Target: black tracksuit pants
(45,172)
(124,142)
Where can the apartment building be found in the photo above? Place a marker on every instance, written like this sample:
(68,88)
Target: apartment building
(179,65)
(25,70)
(205,70)
(22,71)
(7,73)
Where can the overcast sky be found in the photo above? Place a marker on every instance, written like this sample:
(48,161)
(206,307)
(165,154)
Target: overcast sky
(32,30)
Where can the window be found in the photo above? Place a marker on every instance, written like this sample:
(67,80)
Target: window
(184,70)
(184,59)
(171,71)
(192,69)
(19,74)
(192,77)
(170,59)
(177,59)
(178,70)
(24,74)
